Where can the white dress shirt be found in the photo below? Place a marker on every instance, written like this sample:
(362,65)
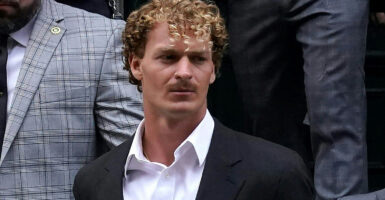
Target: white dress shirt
(151,180)
(17,43)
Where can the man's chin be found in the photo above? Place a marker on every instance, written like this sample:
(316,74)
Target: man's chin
(7,11)
(179,110)
(13,19)
(6,26)
(184,109)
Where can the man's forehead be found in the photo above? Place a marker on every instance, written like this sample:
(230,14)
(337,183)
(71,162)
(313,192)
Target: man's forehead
(167,40)
(201,49)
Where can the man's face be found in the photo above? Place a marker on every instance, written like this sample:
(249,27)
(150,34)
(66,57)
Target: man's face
(14,14)
(175,76)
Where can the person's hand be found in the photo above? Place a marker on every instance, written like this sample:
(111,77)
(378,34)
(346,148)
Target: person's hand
(378,18)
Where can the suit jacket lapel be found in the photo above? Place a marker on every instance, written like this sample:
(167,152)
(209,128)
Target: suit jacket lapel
(110,186)
(41,46)
(219,178)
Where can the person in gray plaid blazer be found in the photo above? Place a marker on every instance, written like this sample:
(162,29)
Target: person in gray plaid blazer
(71,97)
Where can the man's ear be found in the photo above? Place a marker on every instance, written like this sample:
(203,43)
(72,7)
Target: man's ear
(212,76)
(136,70)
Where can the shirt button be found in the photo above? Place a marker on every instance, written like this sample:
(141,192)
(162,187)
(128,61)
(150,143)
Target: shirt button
(1,94)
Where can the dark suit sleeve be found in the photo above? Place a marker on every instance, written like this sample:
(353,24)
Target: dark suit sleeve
(84,186)
(76,187)
(332,34)
(295,182)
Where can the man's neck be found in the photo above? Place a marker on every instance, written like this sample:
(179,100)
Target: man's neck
(163,135)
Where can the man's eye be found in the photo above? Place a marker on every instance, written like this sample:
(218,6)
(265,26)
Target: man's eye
(198,59)
(168,57)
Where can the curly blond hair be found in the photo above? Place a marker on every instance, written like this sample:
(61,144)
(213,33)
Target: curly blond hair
(202,18)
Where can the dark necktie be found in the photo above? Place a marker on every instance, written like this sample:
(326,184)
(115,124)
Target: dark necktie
(3,87)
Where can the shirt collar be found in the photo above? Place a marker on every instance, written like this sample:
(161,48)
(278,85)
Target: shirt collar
(22,35)
(200,139)
(136,147)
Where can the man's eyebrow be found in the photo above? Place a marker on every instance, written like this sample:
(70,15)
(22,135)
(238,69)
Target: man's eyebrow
(166,50)
(171,50)
(198,52)
(191,52)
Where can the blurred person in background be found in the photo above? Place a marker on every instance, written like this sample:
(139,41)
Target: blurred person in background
(295,72)
(64,97)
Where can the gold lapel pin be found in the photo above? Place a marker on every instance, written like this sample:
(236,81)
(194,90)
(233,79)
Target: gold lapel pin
(55,30)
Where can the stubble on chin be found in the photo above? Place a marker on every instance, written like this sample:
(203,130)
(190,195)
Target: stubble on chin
(12,23)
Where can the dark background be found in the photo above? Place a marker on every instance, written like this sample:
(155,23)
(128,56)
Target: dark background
(375,90)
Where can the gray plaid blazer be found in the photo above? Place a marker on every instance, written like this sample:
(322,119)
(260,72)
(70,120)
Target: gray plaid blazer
(71,95)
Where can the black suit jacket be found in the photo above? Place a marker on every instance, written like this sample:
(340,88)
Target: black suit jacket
(237,167)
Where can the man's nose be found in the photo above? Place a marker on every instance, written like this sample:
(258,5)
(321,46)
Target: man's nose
(183,69)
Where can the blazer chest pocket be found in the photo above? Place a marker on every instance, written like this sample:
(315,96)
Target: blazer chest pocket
(75,95)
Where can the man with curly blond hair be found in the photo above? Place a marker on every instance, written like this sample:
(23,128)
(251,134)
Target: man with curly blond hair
(172,51)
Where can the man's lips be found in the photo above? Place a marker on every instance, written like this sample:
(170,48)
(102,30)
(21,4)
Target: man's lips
(7,5)
(182,91)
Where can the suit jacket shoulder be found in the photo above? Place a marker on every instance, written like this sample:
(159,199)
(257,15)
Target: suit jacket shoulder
(248,167)
(251,148)
(237,166)
(76,20)
(102,178)
(277,166)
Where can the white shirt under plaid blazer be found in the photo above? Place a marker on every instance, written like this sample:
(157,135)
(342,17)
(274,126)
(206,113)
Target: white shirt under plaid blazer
(71,95)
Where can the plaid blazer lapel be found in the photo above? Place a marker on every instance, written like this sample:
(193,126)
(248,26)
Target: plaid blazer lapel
(45,37)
